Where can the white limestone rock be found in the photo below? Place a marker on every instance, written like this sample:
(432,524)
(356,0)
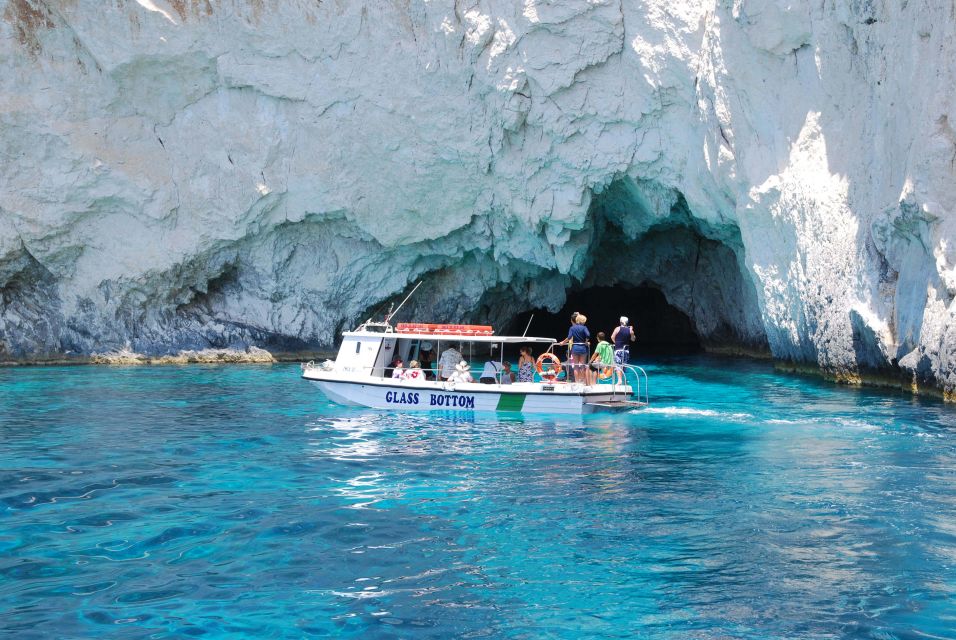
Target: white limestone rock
(190,174)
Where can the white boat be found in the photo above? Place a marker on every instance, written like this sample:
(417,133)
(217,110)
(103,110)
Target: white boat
(360,375)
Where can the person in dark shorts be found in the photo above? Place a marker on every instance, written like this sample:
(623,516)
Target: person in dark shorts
(579,338)
(622,338)
(574,321)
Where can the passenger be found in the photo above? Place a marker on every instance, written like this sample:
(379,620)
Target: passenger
(447,363)
(574,321)
(462,373)
(603,360)
(426,356)
(414,371)
(397,368)
(578,339)
(507,375)
(622,338)
(490,373)
(526,365)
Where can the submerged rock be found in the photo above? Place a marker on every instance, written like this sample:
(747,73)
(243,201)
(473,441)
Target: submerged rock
(217,356)
(194,175)
(119,357)
(206,356)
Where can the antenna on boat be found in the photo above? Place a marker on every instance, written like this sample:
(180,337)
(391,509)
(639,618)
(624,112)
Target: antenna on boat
(392,313)
(527,327)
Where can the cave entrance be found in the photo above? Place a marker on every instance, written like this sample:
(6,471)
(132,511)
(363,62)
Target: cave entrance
(661,327)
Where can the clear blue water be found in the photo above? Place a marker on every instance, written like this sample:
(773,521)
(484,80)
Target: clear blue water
(237,502)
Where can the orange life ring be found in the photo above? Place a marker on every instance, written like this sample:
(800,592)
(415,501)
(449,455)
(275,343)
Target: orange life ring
(554,371)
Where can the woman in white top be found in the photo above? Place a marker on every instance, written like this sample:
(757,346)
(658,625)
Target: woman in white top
(413,372)
(462,373)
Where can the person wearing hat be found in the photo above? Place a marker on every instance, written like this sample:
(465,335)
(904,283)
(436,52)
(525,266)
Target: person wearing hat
(426,357)
(622,337)
(462,373)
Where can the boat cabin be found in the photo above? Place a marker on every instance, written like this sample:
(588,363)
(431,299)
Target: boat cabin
(367,352)
(362,375)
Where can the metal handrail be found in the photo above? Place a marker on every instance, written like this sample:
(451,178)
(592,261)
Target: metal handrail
(636,391)
(638,373)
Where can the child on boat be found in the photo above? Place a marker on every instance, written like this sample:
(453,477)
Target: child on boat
(397,367)
(602,362)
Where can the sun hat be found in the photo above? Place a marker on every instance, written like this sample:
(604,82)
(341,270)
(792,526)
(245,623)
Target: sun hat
(462,366)
(426,346)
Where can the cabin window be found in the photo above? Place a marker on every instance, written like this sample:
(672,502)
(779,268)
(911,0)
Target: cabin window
(358,347)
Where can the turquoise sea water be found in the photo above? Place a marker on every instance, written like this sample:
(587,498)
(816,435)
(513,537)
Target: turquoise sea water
(238,502)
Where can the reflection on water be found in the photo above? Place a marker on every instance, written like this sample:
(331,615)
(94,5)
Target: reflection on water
(176,502)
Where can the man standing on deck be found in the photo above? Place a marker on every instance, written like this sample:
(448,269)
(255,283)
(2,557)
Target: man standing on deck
(447,362)
(622,338)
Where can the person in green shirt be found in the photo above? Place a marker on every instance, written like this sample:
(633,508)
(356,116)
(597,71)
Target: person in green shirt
(603,360)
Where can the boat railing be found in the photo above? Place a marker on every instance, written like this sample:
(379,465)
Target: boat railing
(324,366)
(376,327)
(639,390)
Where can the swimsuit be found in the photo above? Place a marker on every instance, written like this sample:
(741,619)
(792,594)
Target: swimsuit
(526,372)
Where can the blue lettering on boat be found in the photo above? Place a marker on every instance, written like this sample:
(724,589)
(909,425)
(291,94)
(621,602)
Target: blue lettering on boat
(402,397)
(452,400)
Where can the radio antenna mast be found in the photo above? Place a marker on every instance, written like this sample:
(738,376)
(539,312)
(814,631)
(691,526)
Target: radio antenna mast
(391,314)
(527,327)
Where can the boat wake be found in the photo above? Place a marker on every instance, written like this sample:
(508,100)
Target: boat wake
(702,413)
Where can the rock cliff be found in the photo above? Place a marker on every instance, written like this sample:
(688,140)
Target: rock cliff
(207,173)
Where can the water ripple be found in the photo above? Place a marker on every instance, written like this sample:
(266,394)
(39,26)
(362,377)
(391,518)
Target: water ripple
(237,502)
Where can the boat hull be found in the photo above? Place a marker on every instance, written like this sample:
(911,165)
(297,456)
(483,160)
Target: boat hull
(439,396)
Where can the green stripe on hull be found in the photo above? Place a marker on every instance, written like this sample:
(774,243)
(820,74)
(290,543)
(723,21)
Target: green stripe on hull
(511,401)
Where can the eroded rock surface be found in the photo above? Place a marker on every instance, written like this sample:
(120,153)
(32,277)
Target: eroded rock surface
(187,174)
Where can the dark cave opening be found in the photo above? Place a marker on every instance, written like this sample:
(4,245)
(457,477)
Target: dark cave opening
(660,327)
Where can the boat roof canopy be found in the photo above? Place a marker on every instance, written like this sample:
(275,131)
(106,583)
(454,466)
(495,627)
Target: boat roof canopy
(452,337)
